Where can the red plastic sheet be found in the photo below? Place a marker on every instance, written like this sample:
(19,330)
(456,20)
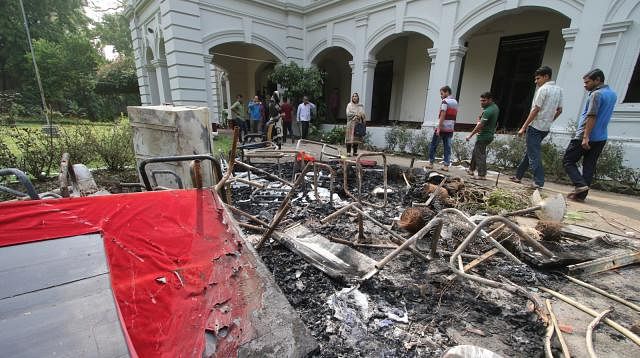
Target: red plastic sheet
(174,265)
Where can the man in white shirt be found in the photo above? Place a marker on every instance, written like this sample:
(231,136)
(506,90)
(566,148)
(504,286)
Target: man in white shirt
(546,107)
(303,116)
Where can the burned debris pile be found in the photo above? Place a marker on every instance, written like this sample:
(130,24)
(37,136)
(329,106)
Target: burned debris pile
(380,260)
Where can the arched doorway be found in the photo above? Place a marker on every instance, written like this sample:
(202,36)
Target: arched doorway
(502,54)
(401,78)
(334,61)
(247,67)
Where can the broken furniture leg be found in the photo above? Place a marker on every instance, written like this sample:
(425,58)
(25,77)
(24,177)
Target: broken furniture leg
(556,327)
(472,235)
(627,333)
(589,335)
(284,207)
(435,223)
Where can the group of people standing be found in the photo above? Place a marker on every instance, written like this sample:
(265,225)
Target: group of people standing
(586,144)
(275,114)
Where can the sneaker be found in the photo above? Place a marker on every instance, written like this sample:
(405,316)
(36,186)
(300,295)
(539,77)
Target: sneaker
(535,186)
(515,179)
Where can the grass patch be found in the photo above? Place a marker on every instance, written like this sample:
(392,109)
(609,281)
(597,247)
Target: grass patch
(222,144)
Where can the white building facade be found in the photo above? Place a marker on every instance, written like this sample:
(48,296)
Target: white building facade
(395,54)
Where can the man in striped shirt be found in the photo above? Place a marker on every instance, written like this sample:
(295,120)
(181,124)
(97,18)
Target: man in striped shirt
(445,127)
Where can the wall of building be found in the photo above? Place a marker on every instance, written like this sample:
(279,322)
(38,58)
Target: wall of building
(483,50)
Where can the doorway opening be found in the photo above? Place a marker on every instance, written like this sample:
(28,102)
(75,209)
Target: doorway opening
(512,86)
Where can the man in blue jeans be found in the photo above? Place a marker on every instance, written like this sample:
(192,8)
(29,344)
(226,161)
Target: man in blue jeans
(591,135)
(545,108)
(444,128)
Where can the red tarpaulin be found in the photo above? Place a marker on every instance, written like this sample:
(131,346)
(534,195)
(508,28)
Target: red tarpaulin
(176,269)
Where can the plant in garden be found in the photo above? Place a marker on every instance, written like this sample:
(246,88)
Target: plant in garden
(79,142)
(507,153)
(609,163)
(115,146)
(420,143)
(335,135)
(7,158)
(403,138)
(37,151)
(391,137)
(461,149)
(551,155)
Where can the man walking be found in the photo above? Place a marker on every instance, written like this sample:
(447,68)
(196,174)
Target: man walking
(238,112)
(303,115)
(591,135)
(286,109)
(444,129)
(486,128)
(546,107)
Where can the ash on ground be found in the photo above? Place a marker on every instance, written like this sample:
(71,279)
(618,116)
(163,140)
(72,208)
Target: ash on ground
(410,308)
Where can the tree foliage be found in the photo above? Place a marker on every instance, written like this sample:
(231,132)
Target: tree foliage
(298,81)
(51,20)
(114,30)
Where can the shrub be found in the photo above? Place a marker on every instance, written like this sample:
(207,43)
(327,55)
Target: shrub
(79,142)
(7,158)
(461,149)
(38,151)
(507,153)
(609,164)
(551,156)
(403,138)
(420,143)
(115,147)
(391,137)
(335,135)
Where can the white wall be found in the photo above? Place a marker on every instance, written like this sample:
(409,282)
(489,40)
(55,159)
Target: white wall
(483,50)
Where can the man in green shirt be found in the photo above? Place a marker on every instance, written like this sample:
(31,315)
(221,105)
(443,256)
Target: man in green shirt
(486,128)
(238,111)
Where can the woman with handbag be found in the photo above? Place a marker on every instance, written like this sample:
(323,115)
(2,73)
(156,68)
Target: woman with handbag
(356,128)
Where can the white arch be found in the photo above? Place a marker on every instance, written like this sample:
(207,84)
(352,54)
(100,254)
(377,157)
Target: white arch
(227,36)
(492,9)
(621,10)
(337,41)
(385,33)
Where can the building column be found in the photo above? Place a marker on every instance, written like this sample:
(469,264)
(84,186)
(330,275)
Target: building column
(456,54)
(163,82)
(368,74)
(154,91)
(443,71)
(357,84)
(581,46)
(209,81)
(225,78)
(433,90)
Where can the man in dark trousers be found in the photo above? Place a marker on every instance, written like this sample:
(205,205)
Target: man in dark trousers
(591,136)
(486,128)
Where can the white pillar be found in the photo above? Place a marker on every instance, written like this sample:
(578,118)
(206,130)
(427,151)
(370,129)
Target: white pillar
(154,92)
(162,83)
(208,82)
(456,54)
(227,85)
(360,36)
(368,73)
(432,88)
(443,70)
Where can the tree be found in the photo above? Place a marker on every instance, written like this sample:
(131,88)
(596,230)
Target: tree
(51,20)
(114,30)
(298,81)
